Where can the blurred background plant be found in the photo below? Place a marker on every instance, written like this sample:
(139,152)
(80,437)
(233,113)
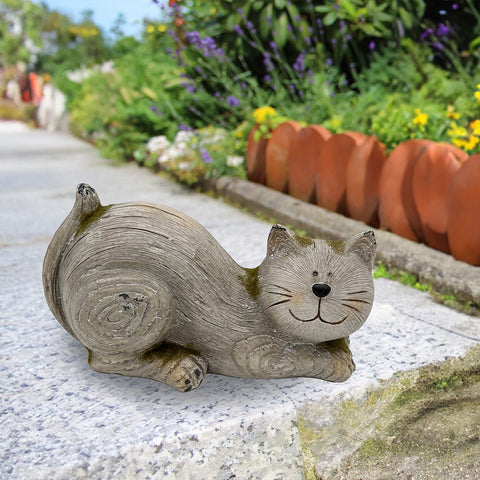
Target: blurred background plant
(396,69)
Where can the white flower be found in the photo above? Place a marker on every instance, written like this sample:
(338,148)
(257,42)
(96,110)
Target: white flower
(158,144)
(234,160)
(183,166)
(184,137)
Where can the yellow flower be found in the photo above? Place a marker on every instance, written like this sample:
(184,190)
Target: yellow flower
(162,28)
(262,113)
(456,131)
(459,142)
(471,143)
(150,29)
(477,95)
(451,113)
(336,122)
(475,126)
(420,119)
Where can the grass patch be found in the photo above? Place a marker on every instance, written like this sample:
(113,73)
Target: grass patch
(413,281)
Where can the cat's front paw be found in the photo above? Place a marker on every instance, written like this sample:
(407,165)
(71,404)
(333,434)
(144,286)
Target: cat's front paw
(187,373)
(344,366)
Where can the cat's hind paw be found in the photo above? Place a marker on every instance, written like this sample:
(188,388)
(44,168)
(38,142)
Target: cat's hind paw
(187,373)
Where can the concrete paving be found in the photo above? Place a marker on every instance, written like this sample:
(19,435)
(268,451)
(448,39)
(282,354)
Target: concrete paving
(62,420)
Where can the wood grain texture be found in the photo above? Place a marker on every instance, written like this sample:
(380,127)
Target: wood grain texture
(151,293)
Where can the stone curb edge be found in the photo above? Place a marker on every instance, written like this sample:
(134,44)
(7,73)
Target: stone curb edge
(446,275)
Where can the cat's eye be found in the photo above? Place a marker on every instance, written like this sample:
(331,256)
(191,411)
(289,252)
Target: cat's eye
(315,273)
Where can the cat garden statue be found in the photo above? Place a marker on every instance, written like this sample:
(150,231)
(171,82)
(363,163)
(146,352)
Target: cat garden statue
(150,293)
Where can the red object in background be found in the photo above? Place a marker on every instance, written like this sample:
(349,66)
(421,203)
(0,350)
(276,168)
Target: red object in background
(172,2)
(304,150)
(363,180)
(255,158)
(331,171)
(432,177)
(463,212)
(35,89)
(278,147)
(24,84)
(397,212)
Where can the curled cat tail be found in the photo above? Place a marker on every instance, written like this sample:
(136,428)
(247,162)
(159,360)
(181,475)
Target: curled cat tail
(87,204)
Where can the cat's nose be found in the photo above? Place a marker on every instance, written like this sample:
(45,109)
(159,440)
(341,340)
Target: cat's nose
(321,289)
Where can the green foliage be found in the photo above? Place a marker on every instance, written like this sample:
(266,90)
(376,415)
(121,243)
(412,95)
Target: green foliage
(403,277)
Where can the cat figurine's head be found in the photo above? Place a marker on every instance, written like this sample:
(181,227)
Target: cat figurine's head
(317,290)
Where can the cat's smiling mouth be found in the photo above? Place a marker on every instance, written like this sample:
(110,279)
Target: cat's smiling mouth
(317,316)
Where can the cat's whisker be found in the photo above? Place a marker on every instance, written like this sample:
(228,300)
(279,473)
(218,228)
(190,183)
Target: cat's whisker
(355,300)
(282,294)
(280,287)
(278,303)
(357,293)
(351,307)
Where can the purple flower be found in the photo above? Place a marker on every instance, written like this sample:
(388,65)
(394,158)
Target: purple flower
(193,38)
(237,30)
(267,79)
(185,127)
(371,46)
(206,46)
(426,33)
(328,62)
(454,6)
(274,46)
(251,27)
(267,61)
(155,110)
(189,87)
(299,65)
(233,101)
(205,155)
(269,21)
(442,30)
(438,46)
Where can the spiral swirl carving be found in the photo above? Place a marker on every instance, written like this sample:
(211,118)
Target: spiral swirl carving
(111,314)
(264,356)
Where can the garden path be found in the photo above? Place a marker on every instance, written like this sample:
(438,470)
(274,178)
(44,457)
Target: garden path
(60,419)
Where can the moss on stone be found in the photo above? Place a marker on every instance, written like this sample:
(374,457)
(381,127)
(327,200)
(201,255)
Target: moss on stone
(303,241)
(421,421)
(250,281)
(87,220)
(338,246)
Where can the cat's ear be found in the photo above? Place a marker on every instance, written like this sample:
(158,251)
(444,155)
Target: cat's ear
(363,245)
(281,240)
